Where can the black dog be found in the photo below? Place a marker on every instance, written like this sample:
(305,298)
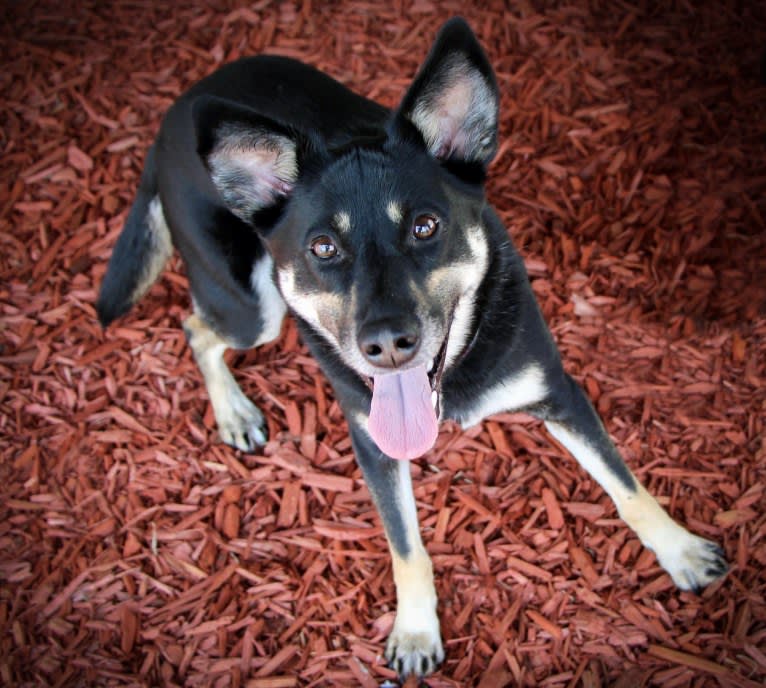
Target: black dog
(279,186)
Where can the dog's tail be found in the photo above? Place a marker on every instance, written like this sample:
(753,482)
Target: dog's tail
(142,249)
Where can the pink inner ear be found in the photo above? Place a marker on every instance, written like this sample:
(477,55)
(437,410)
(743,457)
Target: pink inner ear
(252,170)
(272,172)
(451,110)
(456,101)
(460,116)
(452,142)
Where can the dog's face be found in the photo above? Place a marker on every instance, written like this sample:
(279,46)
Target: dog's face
(379,246)
(382,255)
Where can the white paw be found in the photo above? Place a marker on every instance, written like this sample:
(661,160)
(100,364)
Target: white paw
(240,423)
(411,651)
(691,561)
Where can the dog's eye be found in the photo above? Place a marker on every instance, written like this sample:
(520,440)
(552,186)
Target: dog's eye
(425,226)
(324,247)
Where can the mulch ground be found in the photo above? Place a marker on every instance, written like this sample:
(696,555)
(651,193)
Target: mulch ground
(136,550)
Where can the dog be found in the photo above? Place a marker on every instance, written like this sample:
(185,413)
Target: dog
(283,190)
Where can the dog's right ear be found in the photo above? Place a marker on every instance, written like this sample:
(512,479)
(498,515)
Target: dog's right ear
(453,101)
(252,160)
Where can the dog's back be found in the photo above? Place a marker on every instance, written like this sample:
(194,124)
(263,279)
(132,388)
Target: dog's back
(178,206)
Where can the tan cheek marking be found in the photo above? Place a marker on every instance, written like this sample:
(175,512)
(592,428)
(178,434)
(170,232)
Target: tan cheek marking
(330,309)
(325,312)
(467,274)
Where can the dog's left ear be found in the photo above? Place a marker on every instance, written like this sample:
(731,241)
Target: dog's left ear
(253,161)
(453,101)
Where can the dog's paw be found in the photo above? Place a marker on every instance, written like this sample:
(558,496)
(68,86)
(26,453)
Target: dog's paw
(692,561)
(417,653)
(241,424)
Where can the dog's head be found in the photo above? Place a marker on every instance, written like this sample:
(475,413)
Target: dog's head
(378,245)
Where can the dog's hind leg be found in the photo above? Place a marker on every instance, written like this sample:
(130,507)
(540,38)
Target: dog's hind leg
(415,645)
(691,561)
(240,423)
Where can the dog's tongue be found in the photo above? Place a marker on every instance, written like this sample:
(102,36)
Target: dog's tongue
(402,420)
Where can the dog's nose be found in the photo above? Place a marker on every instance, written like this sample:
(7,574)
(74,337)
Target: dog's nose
(388,343)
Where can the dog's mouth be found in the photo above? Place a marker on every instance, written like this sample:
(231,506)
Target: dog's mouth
(435,373)
(405,407)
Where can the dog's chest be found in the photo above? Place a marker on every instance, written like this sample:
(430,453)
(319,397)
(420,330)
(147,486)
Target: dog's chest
(514,392)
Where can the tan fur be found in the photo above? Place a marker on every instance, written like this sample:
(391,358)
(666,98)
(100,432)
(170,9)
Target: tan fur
(160,253)
(686,557)
(240,423)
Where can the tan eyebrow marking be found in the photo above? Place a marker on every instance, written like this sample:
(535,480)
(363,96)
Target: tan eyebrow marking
(342,221)
(394,212)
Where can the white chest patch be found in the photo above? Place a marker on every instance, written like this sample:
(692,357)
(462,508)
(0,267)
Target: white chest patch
(512,394)
(273,308)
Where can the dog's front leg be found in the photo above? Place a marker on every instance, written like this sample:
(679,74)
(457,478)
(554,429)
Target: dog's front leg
(691,561)
(414,646)
(240,423)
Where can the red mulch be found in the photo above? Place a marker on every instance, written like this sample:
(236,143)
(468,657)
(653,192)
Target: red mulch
(137,550)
